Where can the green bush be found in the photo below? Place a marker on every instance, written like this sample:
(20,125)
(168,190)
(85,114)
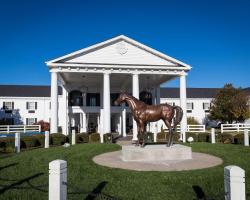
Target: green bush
(194,135)
(94,137)
(161,137)
(108,137)
(204,137)
(149,137)
(7,144)
(239,139)
(58,139)
(40,139)
(82,138)
(28,142)
(226,138)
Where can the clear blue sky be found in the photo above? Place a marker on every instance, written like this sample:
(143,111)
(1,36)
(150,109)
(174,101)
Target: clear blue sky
(212,36)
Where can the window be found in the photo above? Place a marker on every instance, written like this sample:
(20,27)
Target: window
(113,97)
(7,105)
(75,98)
(93,99)
(30,121)
(190,106)
(206,106)
(31,105)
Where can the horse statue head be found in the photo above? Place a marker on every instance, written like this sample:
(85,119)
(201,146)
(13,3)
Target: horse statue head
(121,98)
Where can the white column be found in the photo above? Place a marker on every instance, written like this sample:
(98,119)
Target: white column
(84,123)
(98,123)
(17,142)
(106,102)
(246,137)
(101,125)
(183,104)
(120,124)
(124,134)
(234,183)
(73,141)
(54,103)
(46,142)
(158,101)
(58,180)
(212,135)
(135,90)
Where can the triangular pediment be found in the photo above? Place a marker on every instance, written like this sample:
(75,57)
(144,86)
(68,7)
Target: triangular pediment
(120,50)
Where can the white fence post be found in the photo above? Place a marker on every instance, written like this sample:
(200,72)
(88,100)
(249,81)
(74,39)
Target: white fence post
(234,183)
(24,128)
(17,142)
(39,128)
(8,129)
(46,143)
(73,137)
(212,135)
(58,180)
(246,137)
(238,128)
(221,128)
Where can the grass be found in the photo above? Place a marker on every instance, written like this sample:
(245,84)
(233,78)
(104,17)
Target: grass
(25,176)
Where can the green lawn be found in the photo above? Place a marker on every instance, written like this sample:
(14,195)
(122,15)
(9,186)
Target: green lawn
(25,176)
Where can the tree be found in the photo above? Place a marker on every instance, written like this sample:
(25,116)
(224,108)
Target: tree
(230,104)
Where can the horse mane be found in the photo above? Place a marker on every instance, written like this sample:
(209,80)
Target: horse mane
(135,100)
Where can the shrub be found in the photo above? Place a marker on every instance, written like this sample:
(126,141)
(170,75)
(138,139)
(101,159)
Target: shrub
(28,142)
(161,137)
(44,125)
(239,139)
(108,137)
(40,139)
(7,144)
(192,121)
(149,137)
(94,137)
(194,135)
(82,138)
(227,138)
(204,137)
(58,139)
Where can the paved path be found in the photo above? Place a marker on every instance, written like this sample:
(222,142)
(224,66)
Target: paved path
(199,161)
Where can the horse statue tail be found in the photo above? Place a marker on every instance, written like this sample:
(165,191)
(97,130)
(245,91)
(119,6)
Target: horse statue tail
(178,116)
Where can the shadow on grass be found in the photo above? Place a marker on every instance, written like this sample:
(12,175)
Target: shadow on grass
(200,194)
(17,184)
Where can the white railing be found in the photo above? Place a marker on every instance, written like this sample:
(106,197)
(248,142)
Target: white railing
(193,128)
(234,127)
(19,128)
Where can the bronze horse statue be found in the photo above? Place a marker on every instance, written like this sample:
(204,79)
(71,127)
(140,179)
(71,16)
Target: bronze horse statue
(144,113)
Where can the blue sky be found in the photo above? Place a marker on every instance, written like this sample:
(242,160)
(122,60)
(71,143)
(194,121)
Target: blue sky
(212,36)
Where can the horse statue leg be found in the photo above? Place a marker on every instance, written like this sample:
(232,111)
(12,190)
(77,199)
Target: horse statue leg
(170,140)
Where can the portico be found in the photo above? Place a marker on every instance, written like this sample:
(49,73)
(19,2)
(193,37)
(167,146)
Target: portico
(91,79)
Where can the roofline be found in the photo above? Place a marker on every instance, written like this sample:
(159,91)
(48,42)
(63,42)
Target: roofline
(121,37)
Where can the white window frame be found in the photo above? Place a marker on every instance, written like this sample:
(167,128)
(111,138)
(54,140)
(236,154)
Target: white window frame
(6,107)
(190,106)
(30,122)
(204,106)
(33,107)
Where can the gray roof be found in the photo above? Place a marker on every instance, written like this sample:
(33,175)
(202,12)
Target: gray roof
(192,92)
(26,91)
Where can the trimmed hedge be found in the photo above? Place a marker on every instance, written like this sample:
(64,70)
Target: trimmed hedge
(7,145)
(40,139)
(58,139)
(108,137)
(82,138)
(28,142)
(94,137)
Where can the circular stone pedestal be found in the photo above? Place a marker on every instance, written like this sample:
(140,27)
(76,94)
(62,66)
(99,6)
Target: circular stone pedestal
(116,160)
(156,153)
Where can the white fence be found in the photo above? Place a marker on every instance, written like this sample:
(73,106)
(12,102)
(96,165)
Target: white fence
(19,128)
(193,128)
(234,127)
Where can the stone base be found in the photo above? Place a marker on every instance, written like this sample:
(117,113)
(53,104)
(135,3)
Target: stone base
(156,153)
